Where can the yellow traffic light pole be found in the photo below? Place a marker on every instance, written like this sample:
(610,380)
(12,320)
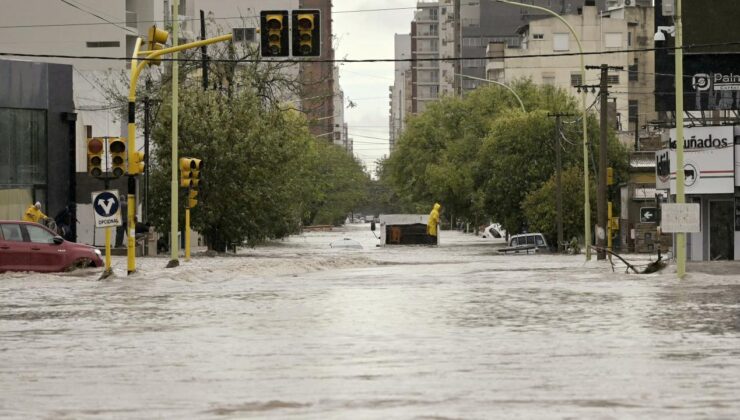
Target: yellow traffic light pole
(136,68)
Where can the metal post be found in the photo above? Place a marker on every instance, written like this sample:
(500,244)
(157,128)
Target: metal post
(680,177)
(558,182)
(146,154)
(601,210)
(187,230)
(174,245)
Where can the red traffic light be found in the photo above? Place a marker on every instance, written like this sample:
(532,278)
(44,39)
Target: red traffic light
(95,146)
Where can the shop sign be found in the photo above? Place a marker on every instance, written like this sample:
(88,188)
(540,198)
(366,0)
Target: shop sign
(709,161)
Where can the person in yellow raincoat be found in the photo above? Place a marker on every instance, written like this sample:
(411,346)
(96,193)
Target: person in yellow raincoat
(34,214)
(432,223)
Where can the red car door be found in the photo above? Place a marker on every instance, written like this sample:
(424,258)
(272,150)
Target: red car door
(13,249)
(45,255)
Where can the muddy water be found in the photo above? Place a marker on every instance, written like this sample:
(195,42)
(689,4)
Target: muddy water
(301,330)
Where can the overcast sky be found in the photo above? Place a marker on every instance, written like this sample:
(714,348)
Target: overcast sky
(362,35)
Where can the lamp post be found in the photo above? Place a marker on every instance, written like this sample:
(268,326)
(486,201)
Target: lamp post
(586,192)
(498,83)
(136,69)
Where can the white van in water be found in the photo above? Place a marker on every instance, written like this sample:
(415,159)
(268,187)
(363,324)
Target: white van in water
(526,242)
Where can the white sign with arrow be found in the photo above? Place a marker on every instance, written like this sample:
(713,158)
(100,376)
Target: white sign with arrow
(107,208)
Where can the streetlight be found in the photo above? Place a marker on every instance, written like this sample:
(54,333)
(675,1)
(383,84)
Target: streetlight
(586,199)
(498,83)
(677,32)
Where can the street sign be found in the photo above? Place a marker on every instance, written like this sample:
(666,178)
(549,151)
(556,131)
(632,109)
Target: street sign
(648,215)
(677,218)
(107,208)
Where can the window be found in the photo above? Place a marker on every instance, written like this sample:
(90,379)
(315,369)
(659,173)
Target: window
(530,239)
(612,79)
(538,36)
(12,233)
(633,72)
(575,79)
(539,241)
(632,110)
(560,42)
(39,235)
(103,44)
(433,14)
(24,147)
(613,40)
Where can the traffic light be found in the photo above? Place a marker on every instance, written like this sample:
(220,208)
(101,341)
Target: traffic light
(192,198)
(117,148)
(95,157)
(274,33)
(136,166)
(155,41)
(190,172)
(306,33)
(609,176)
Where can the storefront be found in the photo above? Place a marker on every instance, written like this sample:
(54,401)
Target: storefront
(711,167)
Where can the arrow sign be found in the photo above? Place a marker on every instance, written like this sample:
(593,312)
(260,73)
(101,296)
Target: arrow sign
(648,215)
(107,208)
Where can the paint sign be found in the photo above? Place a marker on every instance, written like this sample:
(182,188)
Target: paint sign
(709,161)
(107,208)
(677,218)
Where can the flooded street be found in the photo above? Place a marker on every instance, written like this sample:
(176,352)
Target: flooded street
(297,329)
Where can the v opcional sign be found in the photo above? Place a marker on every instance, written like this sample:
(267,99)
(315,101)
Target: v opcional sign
(709,161)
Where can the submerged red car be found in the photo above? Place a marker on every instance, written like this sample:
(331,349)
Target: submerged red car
(26,246)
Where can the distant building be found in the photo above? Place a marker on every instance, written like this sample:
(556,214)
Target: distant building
(400,92)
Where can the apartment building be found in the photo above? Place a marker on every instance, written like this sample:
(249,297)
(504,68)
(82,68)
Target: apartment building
(459,30)
(400,92)
(542,38)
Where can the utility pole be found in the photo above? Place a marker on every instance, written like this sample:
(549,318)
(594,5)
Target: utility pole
(558,177)
(601,192)
(204,50)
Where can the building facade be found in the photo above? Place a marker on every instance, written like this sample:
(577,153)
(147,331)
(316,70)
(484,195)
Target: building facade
(37,137)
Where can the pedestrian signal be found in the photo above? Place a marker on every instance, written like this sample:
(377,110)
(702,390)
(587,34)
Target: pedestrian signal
(190,172)
(306,33)
(95,157)
(117,148)
(274,33)
(155,41)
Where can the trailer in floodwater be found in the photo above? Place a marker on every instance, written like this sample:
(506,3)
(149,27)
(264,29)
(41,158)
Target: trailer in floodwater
(405,229)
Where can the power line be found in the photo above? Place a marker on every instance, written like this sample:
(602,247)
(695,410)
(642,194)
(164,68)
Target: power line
(376,60)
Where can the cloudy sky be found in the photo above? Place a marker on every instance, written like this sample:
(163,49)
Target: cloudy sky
(361,35)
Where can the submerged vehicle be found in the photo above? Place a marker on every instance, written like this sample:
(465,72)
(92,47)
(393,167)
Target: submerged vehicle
(28,246)
(526,243)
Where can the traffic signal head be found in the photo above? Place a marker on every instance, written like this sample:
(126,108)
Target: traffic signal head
(155,41)
(609,176)
(136,166)
(190,172)
(192,198)
(274,33)
(117,148)
(95,157)
(306,33)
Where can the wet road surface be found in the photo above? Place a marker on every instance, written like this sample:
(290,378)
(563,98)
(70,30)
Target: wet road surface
(300,330)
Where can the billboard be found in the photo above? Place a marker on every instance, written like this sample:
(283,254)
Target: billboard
(709,161)
(711,57)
